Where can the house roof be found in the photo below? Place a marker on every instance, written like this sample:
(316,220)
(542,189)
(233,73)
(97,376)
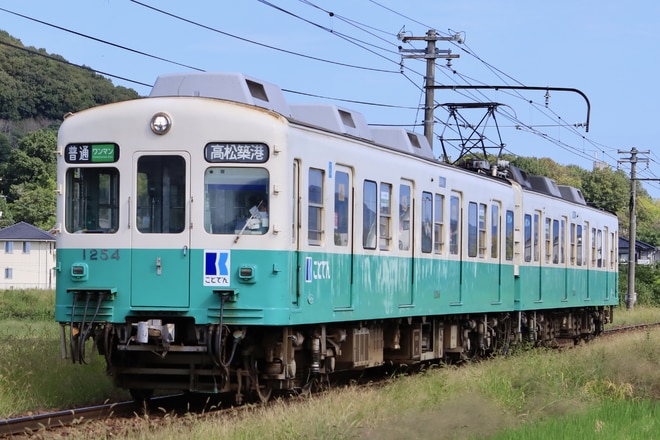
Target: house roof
(24,232)
(624,243)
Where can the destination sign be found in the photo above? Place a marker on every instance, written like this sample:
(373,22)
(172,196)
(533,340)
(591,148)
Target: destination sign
(224,152)
(91,153)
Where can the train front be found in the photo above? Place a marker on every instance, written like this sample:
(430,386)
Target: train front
(174,228)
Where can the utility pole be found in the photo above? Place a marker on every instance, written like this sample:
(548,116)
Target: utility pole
(430,54)
(631,296)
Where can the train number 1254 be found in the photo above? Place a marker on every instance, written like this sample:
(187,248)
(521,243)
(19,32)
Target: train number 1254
(100,254)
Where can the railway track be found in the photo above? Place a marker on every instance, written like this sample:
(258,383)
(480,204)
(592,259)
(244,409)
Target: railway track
(78,416)
(28,425)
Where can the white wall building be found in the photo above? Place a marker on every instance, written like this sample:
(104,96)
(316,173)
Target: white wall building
(27,258)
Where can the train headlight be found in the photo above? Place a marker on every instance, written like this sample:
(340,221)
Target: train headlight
(79,271)
(246,273)
(161,123)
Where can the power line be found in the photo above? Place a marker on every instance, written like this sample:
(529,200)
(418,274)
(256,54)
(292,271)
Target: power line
(50,57)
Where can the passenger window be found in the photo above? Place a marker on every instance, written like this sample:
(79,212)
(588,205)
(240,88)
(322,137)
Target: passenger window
(454,224)
(509,235)
(555,241)
(573,250)
(472,229)
(548,241)
(599,250)
(385,215)
(315,208)
(236,200)
(438,230)
(537,236)
(92,203)
(404,217)
(593,247)
(482,231)
(369,215)
(562,241)
(579,251)
(495,231)
(427,222)
(528,238)
(342,204)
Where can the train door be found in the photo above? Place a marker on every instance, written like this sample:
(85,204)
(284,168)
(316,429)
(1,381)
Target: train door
(563,262)
(343,236)
(160,237)
(455,278)
(495,254)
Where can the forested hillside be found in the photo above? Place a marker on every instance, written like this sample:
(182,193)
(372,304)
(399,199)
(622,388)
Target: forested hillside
(36,91)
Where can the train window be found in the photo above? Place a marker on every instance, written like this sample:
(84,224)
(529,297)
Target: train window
(236,200)
(454,224)
(572,249)
(599,248)
(548,242)
(528,238)
(578,241)
(315,208)
(438,211)
(385,216)
(613,250)
(537,236)
(495,230)
(342,204)
(472,229)
(161,194)
(427,222)
(369,215)
(555,241)
(562,241)
(404,217)
(92,200)
(482,230)
(593,247)
(509,235)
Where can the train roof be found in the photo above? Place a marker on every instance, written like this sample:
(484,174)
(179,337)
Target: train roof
(251,91)
(247,90)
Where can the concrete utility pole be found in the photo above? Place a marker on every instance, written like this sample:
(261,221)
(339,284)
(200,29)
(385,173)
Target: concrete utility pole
(631,296)
(430,54)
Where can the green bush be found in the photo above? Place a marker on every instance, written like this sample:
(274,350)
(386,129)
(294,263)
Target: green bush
(34,304)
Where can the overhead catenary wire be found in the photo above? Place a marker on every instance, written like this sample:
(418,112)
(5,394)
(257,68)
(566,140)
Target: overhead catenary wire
(452,75)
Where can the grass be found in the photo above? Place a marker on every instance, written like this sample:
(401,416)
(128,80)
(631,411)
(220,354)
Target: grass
(33,376)
(606,389)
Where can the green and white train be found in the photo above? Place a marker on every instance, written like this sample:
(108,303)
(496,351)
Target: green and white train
(213,238)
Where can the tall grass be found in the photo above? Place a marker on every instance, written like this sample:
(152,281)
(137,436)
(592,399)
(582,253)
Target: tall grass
(33,376)
(592,390)
(607,389)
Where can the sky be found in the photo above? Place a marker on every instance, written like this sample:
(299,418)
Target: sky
(347,52)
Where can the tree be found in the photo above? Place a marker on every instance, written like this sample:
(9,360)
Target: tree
(35,205)
(607,189)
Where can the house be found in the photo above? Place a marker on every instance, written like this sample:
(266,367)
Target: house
(27,258)
(645,253)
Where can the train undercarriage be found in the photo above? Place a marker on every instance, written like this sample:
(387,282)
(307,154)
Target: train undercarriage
(253,362)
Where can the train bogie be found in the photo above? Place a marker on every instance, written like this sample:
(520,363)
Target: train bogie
(214,238)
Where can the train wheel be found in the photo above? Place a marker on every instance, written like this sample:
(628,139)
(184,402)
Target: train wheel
(264,392)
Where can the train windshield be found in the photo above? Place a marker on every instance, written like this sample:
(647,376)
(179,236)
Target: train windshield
(92,204)
(236,201)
